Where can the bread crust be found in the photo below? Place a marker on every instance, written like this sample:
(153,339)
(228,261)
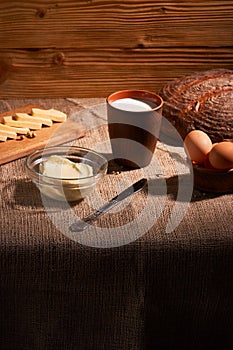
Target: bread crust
(203,101)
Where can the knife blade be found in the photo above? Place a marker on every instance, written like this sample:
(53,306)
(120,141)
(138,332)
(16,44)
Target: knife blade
(82,224)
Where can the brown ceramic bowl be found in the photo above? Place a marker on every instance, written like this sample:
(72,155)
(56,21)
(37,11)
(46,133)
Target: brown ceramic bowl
(209,180)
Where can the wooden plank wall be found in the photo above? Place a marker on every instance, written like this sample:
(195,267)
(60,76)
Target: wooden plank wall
(93,47)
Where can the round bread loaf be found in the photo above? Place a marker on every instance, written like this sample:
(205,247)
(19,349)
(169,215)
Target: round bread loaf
(204,101)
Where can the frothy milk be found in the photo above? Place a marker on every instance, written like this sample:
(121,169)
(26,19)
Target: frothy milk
(133,104)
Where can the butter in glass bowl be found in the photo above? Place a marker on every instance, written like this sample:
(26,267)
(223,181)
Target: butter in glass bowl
(66,173)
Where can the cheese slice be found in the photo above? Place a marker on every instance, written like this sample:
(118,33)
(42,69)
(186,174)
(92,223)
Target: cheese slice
(21,131)
(8,134)
(21,124)
(52,114)
(28,118)
(3,137)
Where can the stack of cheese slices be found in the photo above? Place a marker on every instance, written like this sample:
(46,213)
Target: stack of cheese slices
(23,123)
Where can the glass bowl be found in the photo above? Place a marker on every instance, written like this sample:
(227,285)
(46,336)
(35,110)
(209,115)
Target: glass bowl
(68,188)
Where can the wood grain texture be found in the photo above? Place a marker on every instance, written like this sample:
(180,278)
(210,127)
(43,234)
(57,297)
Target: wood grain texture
(91,48)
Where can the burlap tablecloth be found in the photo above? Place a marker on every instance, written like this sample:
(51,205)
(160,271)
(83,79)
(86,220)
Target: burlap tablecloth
(129,282)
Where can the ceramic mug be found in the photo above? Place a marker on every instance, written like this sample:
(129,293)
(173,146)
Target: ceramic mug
(134,119)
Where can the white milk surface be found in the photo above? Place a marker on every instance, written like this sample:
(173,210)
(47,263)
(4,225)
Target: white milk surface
(131,104)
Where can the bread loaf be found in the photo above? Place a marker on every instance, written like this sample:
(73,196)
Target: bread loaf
(204,101)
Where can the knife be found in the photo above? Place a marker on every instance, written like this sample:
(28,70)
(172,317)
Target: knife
(81,225)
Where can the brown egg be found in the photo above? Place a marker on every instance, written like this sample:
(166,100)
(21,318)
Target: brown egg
(221,155)
(197,145)
(207,164)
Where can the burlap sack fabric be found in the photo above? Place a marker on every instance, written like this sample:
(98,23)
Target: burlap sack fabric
(119,287)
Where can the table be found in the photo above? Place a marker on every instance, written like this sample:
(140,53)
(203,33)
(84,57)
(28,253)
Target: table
(132,281)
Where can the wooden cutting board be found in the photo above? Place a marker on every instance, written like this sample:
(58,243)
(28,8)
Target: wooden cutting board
(56,134)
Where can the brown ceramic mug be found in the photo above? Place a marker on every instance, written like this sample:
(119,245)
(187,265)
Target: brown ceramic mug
(134,119)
